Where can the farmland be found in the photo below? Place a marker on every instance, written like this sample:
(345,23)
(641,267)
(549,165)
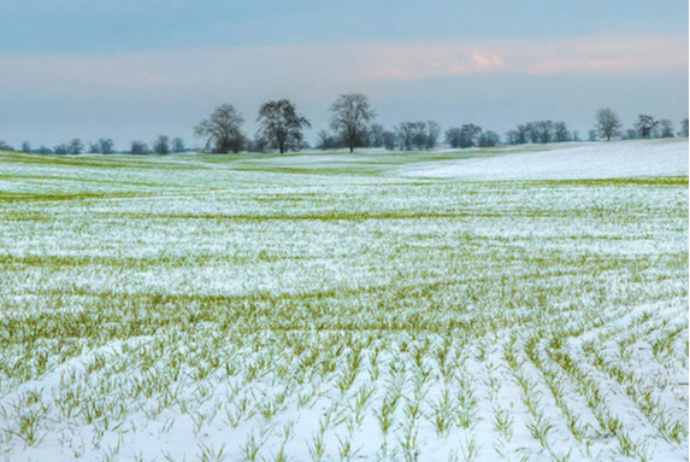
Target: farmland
(337,307)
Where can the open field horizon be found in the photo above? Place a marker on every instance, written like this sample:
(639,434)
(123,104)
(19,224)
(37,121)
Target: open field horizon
(424,306)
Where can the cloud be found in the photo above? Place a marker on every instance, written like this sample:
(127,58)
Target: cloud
(335,67)
(531,56)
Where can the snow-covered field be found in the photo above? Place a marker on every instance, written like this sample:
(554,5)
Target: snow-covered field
(618,160)
(205,308)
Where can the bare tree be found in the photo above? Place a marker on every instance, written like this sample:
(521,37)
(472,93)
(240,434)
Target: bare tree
(645,125)
(178,145)
(592,135)
(684,127)
(469,135)
(75,146)
(418,135)
(139,147)
(488,139)
(522,134)
(511,137)
(326,140)
(542,131)
(531,132)
(351,115)
(519,135)
(388,138)
(102,146)
(61,149)
(222,130)
(106,145)
(405,133)
(433,132)
(26,146)
(376,135)
(630,134)
(162,145)
(560,132)
(280,126)
(666,127)
(462,137)
(94,148)
(608,124)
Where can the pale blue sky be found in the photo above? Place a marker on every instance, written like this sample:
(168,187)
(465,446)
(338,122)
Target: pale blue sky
(136,68)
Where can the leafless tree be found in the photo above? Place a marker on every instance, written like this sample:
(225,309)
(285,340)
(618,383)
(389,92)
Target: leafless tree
(376,134)
(388,138)
(519,135)
(326,140)
(630,134)
(560,132)
(280,126)
(469,135)
(608,124)
(106,145)
(162,145)
(522,133)
(542,131)
(102,146)
(178,145)
(222,130)
(139,147)
(645,125)
(418,135)
(511,137)
(592,135)
(684,127)
(351,115)
(464,136)
(532,132)
(433,132)
(666,128)
(488,139)
(75,146)
(61,149)
(405,133)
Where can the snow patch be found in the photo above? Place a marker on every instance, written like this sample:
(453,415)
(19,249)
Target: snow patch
(597,161)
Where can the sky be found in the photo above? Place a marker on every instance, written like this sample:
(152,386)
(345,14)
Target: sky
(135,69)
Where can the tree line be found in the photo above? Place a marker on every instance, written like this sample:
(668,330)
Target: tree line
(162,145)
(608,126)
(352,125)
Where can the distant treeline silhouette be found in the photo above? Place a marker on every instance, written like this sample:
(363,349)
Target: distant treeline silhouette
(281,129)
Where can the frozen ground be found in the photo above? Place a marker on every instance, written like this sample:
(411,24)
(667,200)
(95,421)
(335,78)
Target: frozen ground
(204,308)
(619,160)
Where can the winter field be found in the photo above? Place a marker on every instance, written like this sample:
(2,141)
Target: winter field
(518,304)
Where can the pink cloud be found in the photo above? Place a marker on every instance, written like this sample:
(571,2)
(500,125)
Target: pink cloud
(335,67)
(532,56)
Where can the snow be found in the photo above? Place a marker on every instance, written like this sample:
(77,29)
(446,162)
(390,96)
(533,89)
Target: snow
(160,309)
(594,161)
